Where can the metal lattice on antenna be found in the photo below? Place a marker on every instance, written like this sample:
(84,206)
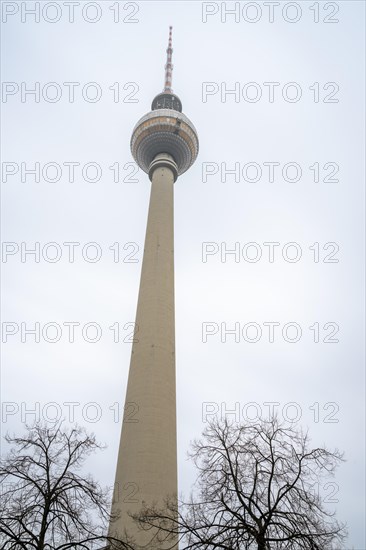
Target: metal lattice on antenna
(169,65)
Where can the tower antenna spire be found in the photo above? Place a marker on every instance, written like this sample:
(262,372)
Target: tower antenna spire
(169,65)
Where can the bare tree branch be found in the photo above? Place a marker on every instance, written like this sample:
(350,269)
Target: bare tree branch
(46,504)
(254,491)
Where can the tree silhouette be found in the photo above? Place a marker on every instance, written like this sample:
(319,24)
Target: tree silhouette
(255,490)
(46,503)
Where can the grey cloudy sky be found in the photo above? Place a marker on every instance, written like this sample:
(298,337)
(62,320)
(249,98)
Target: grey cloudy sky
(312,53)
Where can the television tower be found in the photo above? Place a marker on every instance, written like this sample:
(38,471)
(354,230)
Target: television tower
(164,144)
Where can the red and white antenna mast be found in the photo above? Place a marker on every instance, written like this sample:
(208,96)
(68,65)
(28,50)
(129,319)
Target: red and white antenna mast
(169,65)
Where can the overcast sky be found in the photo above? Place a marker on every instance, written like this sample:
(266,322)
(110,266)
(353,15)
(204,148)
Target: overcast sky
(292,129)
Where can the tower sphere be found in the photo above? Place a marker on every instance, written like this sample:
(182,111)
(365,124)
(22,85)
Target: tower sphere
(165,129)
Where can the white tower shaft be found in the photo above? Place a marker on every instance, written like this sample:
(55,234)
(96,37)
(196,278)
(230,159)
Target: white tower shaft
(147,459)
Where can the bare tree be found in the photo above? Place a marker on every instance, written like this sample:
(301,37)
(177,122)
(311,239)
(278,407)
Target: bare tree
(46,503)
(255,490)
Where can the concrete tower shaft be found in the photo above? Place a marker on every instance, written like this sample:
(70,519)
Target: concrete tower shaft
(147,458)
